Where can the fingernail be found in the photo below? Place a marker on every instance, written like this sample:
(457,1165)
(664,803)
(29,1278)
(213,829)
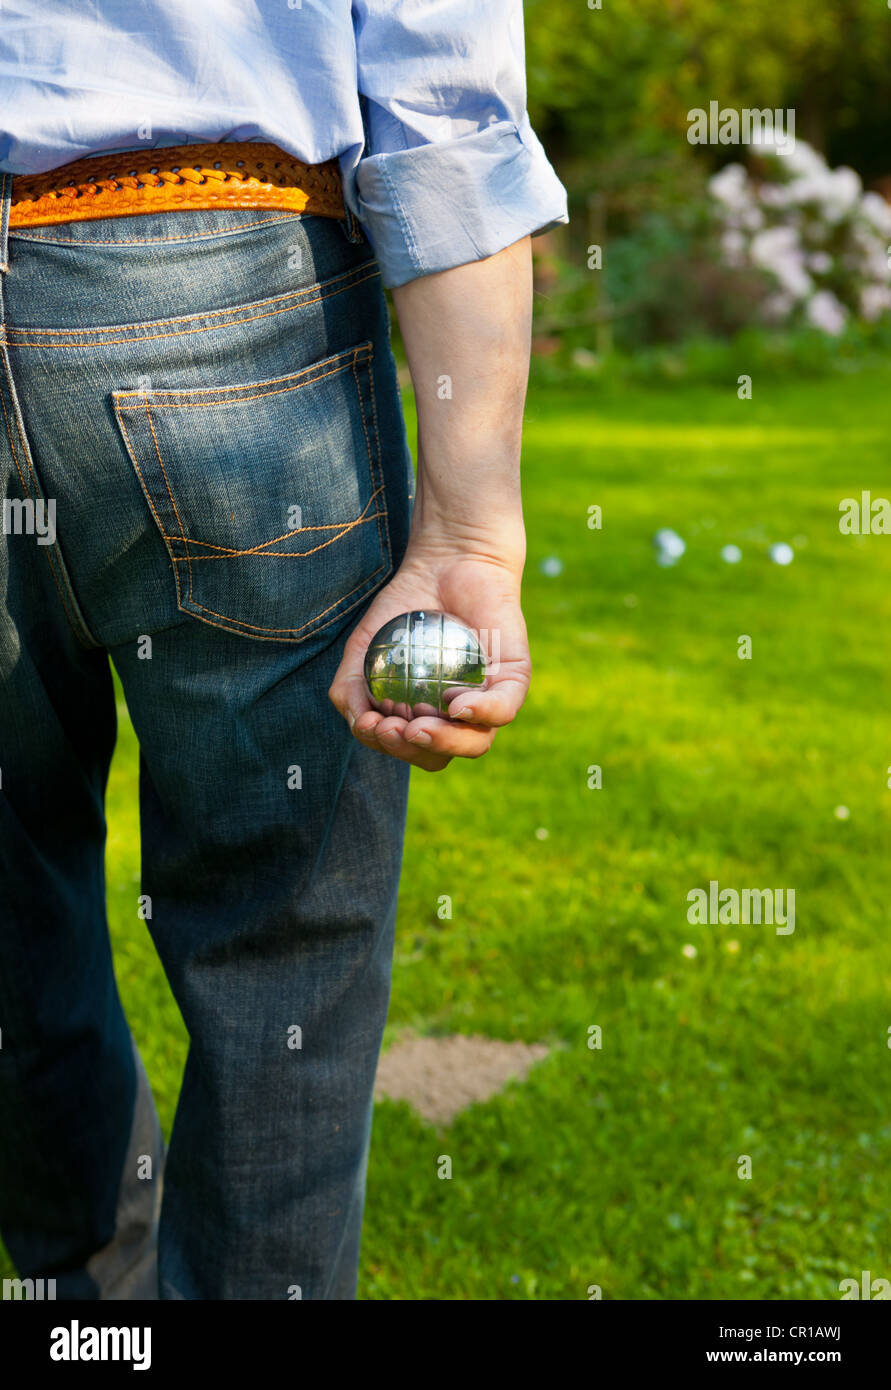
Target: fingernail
(421,737)
(352,721)
(465,713)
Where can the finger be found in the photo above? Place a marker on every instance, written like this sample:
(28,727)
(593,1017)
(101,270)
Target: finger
(457,740)
(397,747)
(399,736)
(348,691)
(367,722)
(349,694)
(493,707)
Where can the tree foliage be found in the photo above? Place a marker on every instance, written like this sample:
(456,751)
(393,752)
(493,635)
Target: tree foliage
(610,88)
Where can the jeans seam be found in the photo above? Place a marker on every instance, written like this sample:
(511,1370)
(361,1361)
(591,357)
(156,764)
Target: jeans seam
(326,286)
(236,400)
(148,416)
(376,473)
(60,578)
(364,348)
(152,241)
(148,496)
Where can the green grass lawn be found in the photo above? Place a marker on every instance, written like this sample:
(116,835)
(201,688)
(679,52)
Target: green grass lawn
(618,1166)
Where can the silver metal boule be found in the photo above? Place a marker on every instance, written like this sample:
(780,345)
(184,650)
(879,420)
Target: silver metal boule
(417,663)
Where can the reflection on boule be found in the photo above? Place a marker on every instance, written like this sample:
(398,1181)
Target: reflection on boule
(417,663)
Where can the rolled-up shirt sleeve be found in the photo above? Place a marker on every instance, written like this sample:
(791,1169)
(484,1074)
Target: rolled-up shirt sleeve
(452,170)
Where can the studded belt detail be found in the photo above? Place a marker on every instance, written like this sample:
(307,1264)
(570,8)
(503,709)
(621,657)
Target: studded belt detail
(245,174)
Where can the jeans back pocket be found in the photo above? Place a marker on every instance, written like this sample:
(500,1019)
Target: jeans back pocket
(269,495)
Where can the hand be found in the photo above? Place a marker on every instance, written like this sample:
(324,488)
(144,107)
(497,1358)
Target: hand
(483,592)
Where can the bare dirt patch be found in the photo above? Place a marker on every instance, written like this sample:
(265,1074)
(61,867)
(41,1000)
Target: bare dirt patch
(441,1076)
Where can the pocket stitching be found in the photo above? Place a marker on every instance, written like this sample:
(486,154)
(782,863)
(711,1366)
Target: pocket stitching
(227,551)
(148,416)
(351,357)
(148,497)
(375,466)
(296,385)
(252,627)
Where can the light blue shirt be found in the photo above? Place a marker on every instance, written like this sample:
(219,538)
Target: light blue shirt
(443,169)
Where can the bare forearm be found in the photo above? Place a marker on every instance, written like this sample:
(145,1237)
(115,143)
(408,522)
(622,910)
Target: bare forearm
(466,334)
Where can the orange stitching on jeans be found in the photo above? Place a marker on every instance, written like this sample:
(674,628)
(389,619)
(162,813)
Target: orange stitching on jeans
(328,526)
(240,400)
(188,556)
(156,337)
(12,447)
(148,497)
(297,295)
(226,625)
(361,349)
(377,455)
(258,549)
(231,624)
(207,314)
(261,554)
(148,416)
(308,623)
(152,240)
(376,459)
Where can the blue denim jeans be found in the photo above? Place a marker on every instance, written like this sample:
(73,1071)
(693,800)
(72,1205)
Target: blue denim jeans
(206,479)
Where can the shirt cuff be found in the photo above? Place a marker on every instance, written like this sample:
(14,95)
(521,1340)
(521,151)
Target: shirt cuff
(440,205)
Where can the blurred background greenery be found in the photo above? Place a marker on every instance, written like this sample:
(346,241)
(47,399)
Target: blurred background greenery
(609,89)
(609,93)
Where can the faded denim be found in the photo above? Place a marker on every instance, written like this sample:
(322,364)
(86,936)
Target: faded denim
(209,400)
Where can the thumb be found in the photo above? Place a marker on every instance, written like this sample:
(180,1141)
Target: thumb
(348,692)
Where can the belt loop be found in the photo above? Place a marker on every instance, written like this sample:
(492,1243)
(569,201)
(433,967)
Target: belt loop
(352,227)
(5,200)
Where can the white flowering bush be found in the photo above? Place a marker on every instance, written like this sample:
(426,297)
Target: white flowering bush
(823,244)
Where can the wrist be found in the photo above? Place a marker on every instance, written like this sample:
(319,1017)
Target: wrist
(472,521)
(435,547)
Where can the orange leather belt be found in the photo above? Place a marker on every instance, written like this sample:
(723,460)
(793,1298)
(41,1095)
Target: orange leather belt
(244,174)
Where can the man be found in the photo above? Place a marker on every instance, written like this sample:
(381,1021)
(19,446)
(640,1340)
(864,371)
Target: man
(207,481)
